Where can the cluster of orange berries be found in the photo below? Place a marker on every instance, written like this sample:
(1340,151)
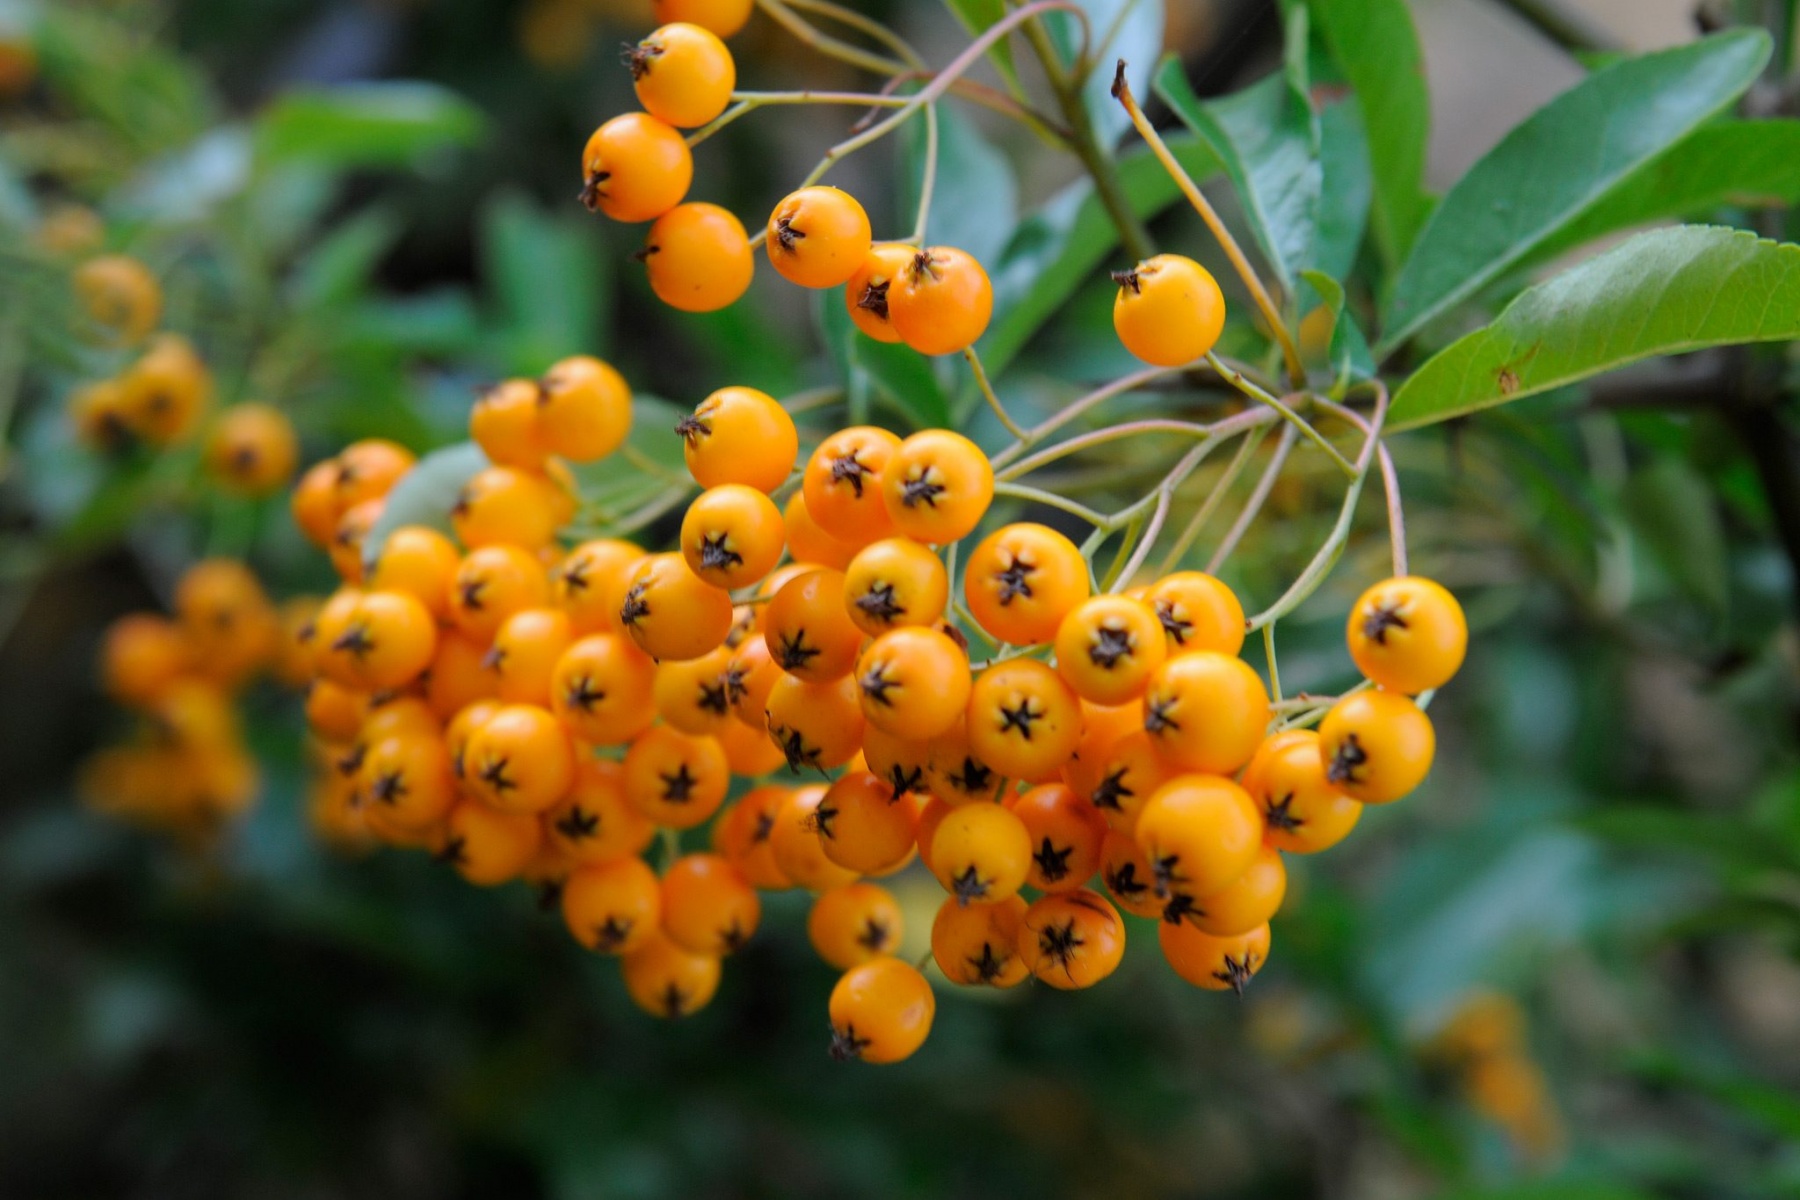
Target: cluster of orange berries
(526,712)
(638,167)
(187,769)
(159,398)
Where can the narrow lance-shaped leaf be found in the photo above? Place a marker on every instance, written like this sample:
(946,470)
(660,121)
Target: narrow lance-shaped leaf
(1375,44)
(1268,138)
(1665,292)
(1751,163)
(1561,162)
(367,124)
(425,494)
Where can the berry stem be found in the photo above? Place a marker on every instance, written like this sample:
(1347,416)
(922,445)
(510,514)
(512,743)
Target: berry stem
(1133,528)
(1290,353)
(927,185)
(1210,435)
(1327,555)
(987,392)
(1066,85)
(748,102)
(868,26)
(1019,491)
(1390,482)
(1268,632)
(940,83)
(825,44)
(1237,380)
(1164,497)
(1220,490)
(1254,504)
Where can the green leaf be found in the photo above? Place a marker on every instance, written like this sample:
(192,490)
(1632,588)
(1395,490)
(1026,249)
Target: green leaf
(1753,164)
(336,269)
(976,200)
(394,123)
(1676,516)
(1375,44)
(547,274)
(1346,188)
(1561,162)
(977,16)
(1055,249)
(1345,350)
(1664,292)
(1127,29)
(1267,137)
(425,494)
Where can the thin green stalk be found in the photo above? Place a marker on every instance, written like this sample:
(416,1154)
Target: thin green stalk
(1133,530)
(1216,431)
(745,103)
(1254,504)
(1268,632)
(1221,489)
(867,26)
(987,392)
(1293,418)
(1019,491)
(928,184)
(1077,408)
(827,45)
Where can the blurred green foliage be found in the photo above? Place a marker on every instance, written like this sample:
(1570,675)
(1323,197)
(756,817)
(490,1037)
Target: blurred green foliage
(365,211)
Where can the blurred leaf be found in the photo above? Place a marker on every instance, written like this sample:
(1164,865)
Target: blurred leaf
(977,16)
(425,494)
(1345,189)
(190,184)
(1674,514)
(338,267)
(1587,1189)
(1775,1109)
(547,274)
(390,123)
(976,201)
(1725,840)
(1342,342)
(900,375)
(1267,137)
(1127,29)
(1375,44)
(437,322)
(1055,249)
(1665,292)
(1561,162)
(1753,164)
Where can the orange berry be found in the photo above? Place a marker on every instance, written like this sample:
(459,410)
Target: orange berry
(635,168)
(1126,873)
(1072,939)
(602,690)
(694,696)
(854,923)
(668,981)
(940,303)
(1197,613)
(1376,746)
(818,237)
(1199,833)
(1213,963)
(881,1012)
(349,535)
(894,582)
(1022,580)
(1408,634)
(594,822)
(507,506)
(1241,905)
(743,835)
(981,853)
(1107,647)
(674,780)
(797,848)
(723,17)
(707,906)
(671,613)
(368,470)
(252,449)
(1023,720)
(120,295)
(862,826)
(1066,834)
(420,562)
(842,484)
(683,74)
(1206,711)
(458,676)
(808,631)
(584,409)
(614,906)
(978,944)
(1302,812)
(491,584)
(406,781)
(505,424)
(914,683)
(388,638)
(739,435)
(866,292)
(1169,310)
(314,503)
(519,760)
(489,847)
(809,544)
(142,655)
(818,726)
(698,258)
(525,652)
(937,486)
(589,584)
(732,535)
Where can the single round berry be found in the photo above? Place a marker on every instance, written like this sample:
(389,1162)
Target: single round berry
(635,168)
(941,301)
(818,237)
(698,258)
(1169,311)
(683,74)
